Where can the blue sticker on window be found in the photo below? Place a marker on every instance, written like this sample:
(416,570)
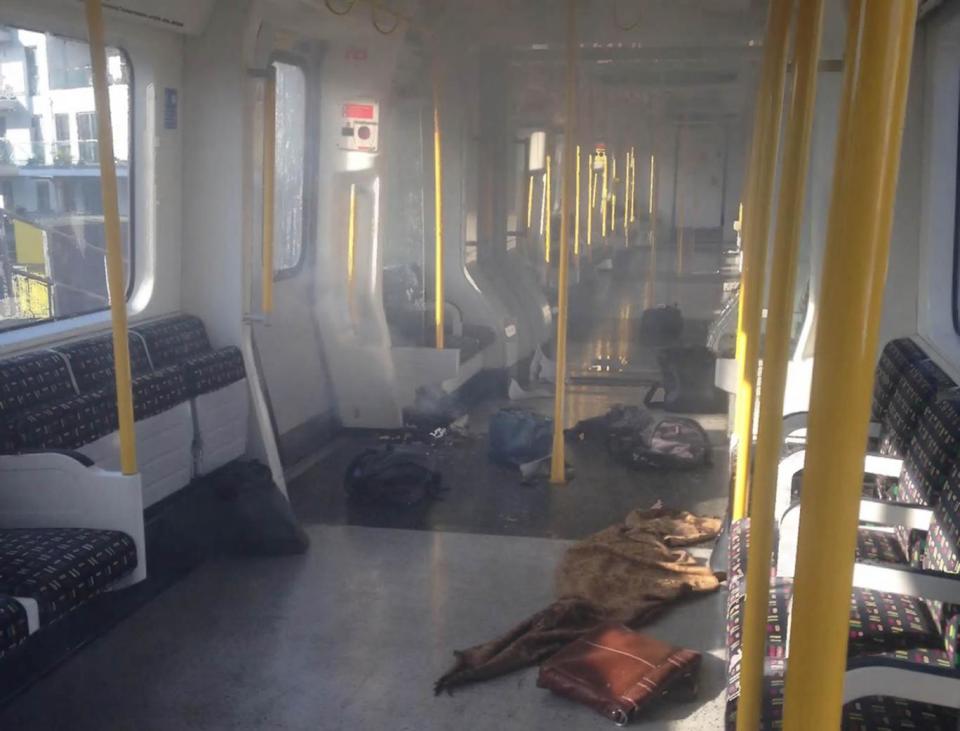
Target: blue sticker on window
(169,108)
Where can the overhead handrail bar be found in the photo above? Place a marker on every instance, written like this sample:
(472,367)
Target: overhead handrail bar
(872,113)
(111,225)
(557,456)
(760,177)
(786,245)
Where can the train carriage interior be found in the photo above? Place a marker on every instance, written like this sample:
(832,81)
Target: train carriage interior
(479,364)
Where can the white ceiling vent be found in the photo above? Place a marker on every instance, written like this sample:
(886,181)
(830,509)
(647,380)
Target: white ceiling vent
(179,16)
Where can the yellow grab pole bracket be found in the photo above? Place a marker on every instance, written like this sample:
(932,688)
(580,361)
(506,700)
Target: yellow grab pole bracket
(760,177)
(548,212)
(576,209)
(269,188)
(876,78)
(437,213)
(786,243)
(111,223)
(557,456)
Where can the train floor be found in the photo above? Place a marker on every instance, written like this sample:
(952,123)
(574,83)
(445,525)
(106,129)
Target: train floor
(353,634)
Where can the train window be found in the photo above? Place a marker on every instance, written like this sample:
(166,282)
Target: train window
(291,127)
(52,247)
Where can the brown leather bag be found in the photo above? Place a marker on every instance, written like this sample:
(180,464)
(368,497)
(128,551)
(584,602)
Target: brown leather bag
(617,672)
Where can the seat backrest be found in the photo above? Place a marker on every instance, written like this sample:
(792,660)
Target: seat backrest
(174,339)
(91,361)
(943,554)
(920,385)
(897,356)
(27,382)
(932,453)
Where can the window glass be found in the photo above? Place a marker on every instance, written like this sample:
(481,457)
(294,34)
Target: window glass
(52,255)
(291,123)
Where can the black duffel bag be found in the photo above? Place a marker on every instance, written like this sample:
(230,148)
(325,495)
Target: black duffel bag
(687,383)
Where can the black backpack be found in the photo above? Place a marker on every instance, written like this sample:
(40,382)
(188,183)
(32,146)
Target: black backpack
(390,476)
(661,325)
(688,381)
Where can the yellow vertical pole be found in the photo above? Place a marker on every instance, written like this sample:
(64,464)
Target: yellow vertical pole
(652,261)
(633,185)
(111,223)
(351,238)
(548,208)
(626,196)
(543,201)
(557,457)
(603,195)
(529,201)
(591,197)
(437,213)
(613,196)
(576,210)
(269,187)
(786,243)
(876,78)
(760,176)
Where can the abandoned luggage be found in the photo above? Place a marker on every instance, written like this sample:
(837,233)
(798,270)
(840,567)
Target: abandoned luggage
(688,377)
(391,476)
(661,325)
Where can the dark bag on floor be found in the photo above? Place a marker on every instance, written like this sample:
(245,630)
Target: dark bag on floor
(661,325)
(688,374)
(620,418)
(390,476)
(674,443)
(518,436)
(253,516)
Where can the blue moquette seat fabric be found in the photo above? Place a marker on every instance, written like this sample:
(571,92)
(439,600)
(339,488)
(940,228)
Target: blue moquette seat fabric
(920,385)
(61,568)
(91,361)
(27,382)
(897,356)
(13,625)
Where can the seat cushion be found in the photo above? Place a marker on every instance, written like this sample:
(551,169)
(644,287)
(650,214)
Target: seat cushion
(91,361)
(158,391)
(13,624)
(896,357)
(68,424)
(62,567)
(174,339)
(884,622)
(27,382)
(213,371)
(879,545)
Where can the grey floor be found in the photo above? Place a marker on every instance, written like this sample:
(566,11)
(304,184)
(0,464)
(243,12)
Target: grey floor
(353,634)
(349,636)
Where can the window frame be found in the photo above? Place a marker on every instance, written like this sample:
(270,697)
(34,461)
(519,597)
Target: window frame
(132,156)
(294,59)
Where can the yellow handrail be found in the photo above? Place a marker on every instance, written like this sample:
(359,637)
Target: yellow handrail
(576,210)
(652,257)
(760,176)
(269,187)
(529,201)
(613,195)
(786,243)
(437,213)
(604,192)
(876,77)
(111,224)
(351,243)
(557,456)
(548,211)
(633,185)
(591,187)
(626,198)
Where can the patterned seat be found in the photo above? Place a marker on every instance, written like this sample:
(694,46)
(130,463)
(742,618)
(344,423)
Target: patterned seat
(182,341)
(27,382)
(91,361)
(879,545)
(943,546)
(61,568)
(13,625)
(897,356)
(920,385)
